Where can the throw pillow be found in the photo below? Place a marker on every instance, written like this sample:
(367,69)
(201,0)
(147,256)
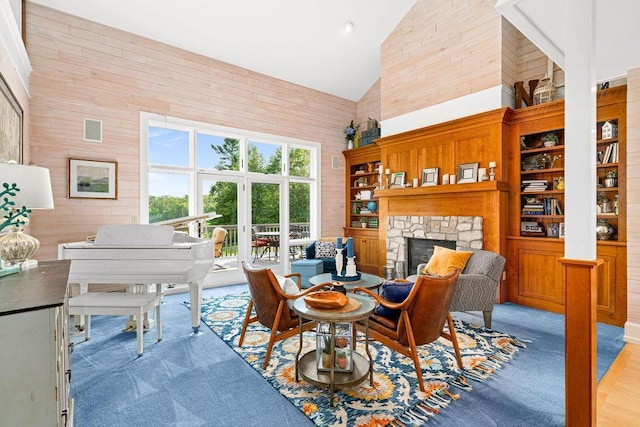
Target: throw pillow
(325,249)
(394,291)
(289,287)
(445,260)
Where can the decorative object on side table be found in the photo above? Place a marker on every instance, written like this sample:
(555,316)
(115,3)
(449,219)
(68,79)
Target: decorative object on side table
(30,188)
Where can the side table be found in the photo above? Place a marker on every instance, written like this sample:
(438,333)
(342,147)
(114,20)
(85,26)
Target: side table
(306,366)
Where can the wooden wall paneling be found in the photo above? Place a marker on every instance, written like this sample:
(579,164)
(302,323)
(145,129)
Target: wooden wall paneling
(438,154)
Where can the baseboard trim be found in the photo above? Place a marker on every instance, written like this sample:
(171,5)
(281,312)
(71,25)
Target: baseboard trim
(632,333)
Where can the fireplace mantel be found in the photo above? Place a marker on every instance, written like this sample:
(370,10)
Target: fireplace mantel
(443,189)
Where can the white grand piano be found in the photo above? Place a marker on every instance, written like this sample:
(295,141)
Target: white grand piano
(141,254)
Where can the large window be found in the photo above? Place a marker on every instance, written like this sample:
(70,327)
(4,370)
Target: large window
(249,179)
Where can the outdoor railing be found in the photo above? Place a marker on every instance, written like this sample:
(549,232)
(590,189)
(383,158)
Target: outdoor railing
(230,247)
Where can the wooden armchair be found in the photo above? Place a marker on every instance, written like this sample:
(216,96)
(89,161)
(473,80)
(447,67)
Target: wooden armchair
(421,319)
(270,303)
(218,236)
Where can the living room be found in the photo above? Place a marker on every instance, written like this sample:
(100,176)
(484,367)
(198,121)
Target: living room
(85,69)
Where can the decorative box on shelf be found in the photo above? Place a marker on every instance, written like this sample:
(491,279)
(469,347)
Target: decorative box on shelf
(341,345)
(368,136)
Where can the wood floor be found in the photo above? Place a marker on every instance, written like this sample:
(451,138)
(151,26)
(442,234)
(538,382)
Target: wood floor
(619,390)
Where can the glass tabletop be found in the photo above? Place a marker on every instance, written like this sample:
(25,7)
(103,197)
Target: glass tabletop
(369,281)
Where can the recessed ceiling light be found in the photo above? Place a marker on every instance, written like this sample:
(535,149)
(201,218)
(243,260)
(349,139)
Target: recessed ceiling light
(348,26)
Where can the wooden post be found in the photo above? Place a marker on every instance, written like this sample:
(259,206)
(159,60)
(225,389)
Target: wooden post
(580,279)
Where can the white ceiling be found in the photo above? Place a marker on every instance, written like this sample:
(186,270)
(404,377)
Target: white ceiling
(300,41)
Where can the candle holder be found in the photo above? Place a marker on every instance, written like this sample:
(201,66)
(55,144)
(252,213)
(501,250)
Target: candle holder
(492,171)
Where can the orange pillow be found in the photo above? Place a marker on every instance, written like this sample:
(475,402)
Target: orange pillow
(445,260)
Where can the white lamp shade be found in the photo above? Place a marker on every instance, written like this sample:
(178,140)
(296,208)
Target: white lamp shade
(33,182)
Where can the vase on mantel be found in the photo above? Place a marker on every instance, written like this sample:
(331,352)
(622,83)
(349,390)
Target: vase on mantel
(350,144)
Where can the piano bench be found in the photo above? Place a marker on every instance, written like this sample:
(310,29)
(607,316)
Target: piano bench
(118,304)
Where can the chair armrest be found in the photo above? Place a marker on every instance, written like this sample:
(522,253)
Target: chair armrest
(420,268)
(474,292)
(383,302)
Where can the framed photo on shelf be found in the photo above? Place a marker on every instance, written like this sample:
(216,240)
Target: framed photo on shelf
(561,230)
(92,179)
(553,229)
(397,180)
(467,172)
(429,176)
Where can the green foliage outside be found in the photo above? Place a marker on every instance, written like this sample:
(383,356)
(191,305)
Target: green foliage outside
(222,197)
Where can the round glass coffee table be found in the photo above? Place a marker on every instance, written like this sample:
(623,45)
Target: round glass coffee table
(369,281)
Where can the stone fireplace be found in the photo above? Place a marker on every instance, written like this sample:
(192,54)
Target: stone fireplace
(465,231)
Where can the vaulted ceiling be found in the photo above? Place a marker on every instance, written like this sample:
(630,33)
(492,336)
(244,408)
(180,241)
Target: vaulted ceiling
(301,41)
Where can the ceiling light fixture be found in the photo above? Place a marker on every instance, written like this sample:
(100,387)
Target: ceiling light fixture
(348,26)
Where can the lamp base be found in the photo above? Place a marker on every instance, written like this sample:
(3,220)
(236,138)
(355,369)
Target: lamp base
(17,247)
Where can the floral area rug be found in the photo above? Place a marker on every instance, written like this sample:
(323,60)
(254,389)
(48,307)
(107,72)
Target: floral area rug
(394,398)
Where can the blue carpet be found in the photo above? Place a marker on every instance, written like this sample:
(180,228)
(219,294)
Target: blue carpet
(394,394)
(200,381)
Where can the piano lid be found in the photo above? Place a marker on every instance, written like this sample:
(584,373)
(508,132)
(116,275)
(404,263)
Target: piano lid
(134,235)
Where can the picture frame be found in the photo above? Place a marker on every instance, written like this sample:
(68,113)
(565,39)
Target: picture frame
(561,230)
(11,121)
(430,176)
(397,180)
(93,179)
(467,172)
(553,229)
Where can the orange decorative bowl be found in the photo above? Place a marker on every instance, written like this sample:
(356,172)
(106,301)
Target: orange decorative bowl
(325,300)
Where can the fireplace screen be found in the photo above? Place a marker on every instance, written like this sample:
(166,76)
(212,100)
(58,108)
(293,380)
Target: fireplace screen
(419,251)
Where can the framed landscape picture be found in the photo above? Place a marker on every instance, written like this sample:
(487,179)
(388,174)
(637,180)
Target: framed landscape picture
(92,179)
(10,125)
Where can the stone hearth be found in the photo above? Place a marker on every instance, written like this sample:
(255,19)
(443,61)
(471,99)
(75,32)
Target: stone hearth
(466,231)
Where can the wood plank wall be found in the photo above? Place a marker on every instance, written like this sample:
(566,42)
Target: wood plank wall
(86,70)
(633,198)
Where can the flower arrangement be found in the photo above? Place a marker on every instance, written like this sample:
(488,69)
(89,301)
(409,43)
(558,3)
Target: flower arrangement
(351,131)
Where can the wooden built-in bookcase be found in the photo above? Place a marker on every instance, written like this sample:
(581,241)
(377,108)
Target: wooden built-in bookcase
(536,206)
(515,140)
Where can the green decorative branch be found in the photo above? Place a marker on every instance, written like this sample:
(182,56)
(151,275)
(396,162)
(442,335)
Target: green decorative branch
(12,218)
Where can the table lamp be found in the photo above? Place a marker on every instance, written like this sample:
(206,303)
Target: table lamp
(23,188)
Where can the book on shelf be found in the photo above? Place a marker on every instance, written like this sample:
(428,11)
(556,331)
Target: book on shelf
(534,185)
(611,154)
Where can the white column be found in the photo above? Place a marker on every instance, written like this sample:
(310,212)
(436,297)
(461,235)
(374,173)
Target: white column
(580,129)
